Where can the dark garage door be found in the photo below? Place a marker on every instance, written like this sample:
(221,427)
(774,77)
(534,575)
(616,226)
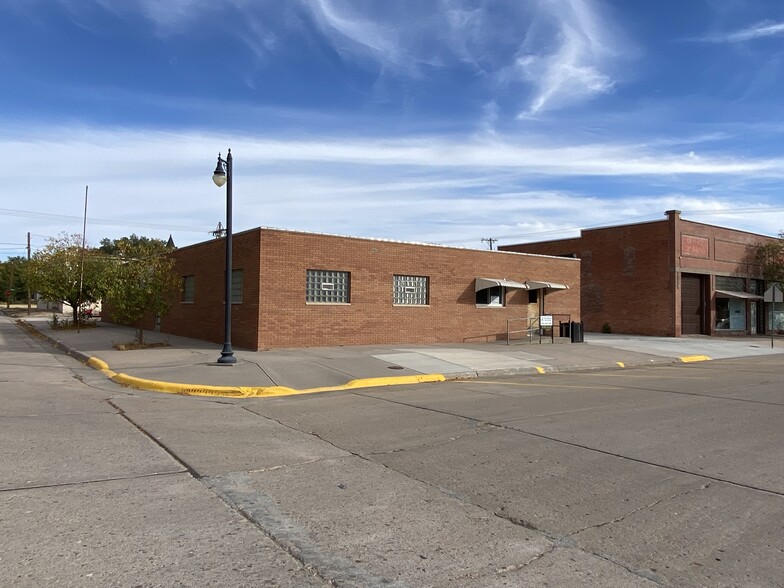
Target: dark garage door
(691,304)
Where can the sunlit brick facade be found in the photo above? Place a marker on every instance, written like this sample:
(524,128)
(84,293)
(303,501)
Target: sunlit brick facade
(303,289)
(667,278)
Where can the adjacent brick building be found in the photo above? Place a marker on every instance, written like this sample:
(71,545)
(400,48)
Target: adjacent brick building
(668,278)
(296,289)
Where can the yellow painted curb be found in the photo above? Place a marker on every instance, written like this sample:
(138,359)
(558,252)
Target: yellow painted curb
(620,364)
(539,369)
(251,391)
(693,358)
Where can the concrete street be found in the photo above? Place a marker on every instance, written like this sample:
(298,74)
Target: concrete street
(665,475)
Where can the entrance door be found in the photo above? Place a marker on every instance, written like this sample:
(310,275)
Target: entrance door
(692,305)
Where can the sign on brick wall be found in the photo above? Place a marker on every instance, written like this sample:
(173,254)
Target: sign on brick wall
(692,246)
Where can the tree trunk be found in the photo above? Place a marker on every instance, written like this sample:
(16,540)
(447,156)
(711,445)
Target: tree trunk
(140,332)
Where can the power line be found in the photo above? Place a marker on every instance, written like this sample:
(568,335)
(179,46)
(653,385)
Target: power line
(97,221)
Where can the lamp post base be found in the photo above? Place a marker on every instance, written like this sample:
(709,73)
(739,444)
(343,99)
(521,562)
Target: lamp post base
(227,355)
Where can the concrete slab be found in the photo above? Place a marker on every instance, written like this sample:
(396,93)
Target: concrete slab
(231,439)
(742,379)
(154,402)
(159,531)
(719,535)
(713,347)
(501,401)
(469,359)
(422,363)
(362,424)
(570,566)
(66,449)
(25,399)
(362,524)
(555,488)
(731,440)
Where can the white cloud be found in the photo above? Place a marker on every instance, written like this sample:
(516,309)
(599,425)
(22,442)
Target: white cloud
(760,30)
(568,56)
(437,189)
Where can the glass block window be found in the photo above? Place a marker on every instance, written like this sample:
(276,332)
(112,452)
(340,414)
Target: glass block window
(731,284)
(410,290)
(188,288)
(236,286)
(328,286)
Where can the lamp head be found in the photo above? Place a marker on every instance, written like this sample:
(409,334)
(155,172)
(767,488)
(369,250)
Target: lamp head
(219,175)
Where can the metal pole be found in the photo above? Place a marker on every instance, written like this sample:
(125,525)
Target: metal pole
(28,266)
(227,354)
(81,275)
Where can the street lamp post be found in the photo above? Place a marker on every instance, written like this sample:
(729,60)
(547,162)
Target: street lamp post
(222,175)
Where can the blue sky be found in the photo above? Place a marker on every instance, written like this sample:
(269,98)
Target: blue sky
(441,121)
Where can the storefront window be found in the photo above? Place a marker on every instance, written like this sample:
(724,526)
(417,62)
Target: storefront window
(730,314)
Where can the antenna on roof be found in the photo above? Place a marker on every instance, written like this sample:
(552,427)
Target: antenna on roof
(489,241)
(219,231)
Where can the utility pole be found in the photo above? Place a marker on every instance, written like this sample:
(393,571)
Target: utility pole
(489,241)
(28,270)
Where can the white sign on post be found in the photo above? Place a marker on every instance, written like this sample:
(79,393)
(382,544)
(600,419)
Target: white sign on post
(773,294)
(546,320)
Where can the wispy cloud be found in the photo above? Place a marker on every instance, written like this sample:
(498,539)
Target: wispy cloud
(760,30)
(576,62)
(435,188)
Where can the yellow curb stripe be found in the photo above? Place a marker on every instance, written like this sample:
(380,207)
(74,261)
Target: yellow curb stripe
(251,391)
(539,369)
(693,358)
(620,364)
(97,364)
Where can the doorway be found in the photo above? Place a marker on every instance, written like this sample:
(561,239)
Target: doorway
(693,304)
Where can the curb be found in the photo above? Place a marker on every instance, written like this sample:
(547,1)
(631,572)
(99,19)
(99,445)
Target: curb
(278,391)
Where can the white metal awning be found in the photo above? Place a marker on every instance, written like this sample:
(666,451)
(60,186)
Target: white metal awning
(741,295)
(484,283)
(545,286)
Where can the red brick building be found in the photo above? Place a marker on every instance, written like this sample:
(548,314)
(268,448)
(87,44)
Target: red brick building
(668,278)
(295,289)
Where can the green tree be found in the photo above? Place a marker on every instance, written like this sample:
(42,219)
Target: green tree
(13,277)
(771,259)
(141,279)
(64,271)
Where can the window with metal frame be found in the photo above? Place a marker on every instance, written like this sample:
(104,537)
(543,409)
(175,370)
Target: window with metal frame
(411,290)
(236,286)
(188,288)
(494,296)
(328,286)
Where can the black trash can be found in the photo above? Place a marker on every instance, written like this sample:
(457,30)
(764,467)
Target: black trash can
(577,332)
(564,329)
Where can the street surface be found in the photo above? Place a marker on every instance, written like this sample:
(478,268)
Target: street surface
(669,475)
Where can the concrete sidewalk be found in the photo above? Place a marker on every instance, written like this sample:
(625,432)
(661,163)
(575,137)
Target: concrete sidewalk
(188,366)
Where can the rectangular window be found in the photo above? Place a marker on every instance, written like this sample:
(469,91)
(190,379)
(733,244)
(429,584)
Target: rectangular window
(490,296)
(411,290)
(730,284)
(188,288)
(533,296)
(236,286)
(328,287)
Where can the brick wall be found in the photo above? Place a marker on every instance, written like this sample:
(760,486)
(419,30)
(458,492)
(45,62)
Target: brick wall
(204,317)
(274,312)
(624,278)
(630,274)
